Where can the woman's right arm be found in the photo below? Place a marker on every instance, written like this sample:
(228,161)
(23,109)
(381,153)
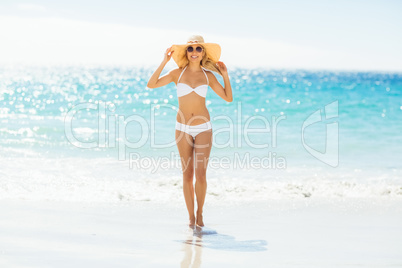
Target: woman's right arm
(155,81)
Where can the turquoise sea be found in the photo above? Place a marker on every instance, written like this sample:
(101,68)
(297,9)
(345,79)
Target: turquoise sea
(99,134)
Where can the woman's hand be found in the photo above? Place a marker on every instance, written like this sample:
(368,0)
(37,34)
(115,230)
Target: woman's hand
(222,67)
(168,54)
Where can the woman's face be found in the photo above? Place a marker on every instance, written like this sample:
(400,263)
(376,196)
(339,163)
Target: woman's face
(195,55)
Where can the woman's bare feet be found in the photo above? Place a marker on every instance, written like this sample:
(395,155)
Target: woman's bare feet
(200,222)
(191,223)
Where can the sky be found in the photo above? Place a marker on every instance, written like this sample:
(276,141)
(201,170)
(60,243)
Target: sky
(331,35)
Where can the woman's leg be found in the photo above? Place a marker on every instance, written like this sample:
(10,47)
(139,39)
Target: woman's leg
(185,144)
(202,148)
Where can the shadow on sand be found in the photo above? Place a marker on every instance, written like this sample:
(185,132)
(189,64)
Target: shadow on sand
(208,238)
(199,238)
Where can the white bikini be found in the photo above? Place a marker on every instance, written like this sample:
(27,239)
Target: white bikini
(184,89)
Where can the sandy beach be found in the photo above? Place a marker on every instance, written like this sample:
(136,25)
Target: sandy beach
(350,233)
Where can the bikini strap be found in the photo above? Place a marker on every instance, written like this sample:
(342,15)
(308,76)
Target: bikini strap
(202,68)
(181,73)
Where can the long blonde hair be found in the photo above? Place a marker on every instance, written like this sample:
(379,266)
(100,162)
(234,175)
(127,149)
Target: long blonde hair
(209,65)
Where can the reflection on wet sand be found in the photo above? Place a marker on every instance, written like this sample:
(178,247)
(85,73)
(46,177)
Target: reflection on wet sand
(191,246)
(203,237)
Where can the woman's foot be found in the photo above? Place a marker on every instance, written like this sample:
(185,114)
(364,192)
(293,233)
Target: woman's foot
(191,222)
(199,219)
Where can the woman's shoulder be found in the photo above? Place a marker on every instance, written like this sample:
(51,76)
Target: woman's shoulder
(209,73)
(175,69)
(174,72)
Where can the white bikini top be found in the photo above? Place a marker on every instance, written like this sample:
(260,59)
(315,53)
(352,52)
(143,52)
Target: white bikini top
(184,89)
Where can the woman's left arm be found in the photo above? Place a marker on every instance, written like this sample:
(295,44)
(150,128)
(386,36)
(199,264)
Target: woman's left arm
(223,92)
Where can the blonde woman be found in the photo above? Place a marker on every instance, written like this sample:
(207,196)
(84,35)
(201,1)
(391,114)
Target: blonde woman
(195,59)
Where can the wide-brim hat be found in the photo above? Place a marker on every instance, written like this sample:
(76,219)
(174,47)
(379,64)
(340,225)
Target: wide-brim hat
(212,50)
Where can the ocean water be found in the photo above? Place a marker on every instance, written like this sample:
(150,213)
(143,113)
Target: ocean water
(100,135)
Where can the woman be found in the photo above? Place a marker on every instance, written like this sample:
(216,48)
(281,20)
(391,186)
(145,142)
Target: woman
(193,126)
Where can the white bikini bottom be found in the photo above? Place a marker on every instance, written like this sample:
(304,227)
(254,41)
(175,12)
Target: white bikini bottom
(194,130)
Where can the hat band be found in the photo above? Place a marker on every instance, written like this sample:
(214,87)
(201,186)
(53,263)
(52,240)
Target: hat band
(194,42)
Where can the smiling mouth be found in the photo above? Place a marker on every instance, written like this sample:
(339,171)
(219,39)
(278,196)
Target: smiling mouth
(194,57)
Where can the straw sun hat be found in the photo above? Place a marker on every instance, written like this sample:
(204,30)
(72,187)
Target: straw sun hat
(213,51)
